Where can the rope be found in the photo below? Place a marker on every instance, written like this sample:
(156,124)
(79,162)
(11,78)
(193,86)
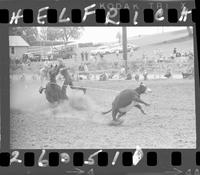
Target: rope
(100,89)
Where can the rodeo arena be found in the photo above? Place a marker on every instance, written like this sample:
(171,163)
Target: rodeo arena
(73,95)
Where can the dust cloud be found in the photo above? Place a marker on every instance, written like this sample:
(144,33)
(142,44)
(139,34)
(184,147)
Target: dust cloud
(25,98)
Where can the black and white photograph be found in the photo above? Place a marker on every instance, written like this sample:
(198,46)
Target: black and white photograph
(102,87)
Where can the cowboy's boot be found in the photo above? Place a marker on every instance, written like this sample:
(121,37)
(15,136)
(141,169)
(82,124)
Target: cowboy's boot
(41,89)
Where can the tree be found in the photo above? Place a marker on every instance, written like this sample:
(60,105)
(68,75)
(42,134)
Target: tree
(43,33)
(53,33)
(29,34)
(63,33)
(119,37)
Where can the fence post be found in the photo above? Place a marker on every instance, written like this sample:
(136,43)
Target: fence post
(124,41)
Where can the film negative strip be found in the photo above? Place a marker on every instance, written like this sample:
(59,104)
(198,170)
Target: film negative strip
(99,87)
(103,13)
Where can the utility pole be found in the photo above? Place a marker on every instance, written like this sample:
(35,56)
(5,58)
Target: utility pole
(124,43)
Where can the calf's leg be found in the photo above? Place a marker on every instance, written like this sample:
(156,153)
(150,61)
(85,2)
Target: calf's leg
(141,101)
(120,115)
(114,114)
(140,108)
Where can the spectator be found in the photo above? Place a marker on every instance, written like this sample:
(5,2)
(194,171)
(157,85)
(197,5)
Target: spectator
(129,75)
(131,52)
(122,72)
(86,56)
(86,70)
(103,77)
(115,64)
(117,53)
(174,51)
(101,56)
(81,67)
(145,74)
(85,67)
(168,74)
(82,56)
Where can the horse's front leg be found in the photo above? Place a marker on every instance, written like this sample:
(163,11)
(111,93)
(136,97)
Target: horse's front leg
(63,93)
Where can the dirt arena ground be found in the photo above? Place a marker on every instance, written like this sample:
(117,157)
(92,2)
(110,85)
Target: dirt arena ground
(169,123)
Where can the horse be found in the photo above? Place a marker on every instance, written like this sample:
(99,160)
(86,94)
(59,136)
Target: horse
(54,93)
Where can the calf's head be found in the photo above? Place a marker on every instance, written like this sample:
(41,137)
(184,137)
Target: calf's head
(143,89)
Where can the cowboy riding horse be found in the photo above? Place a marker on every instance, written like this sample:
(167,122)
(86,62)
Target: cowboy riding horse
(54,93)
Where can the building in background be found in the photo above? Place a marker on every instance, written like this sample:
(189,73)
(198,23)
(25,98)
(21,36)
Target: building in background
(17,47)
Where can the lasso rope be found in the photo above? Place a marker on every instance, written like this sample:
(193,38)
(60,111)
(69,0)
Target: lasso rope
(91,88)
(100,89)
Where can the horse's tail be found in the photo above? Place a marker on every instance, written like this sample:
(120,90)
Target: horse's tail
(41,90)
(106,112)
